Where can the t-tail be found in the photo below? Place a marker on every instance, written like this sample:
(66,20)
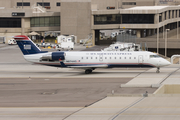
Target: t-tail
(26,45)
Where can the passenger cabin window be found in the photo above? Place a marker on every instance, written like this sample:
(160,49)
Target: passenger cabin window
(86,57)
(82,58)
(154,56)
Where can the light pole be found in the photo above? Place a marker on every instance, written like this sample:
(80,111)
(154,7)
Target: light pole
(166,43)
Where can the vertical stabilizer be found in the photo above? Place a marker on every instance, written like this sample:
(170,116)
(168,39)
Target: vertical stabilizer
(26,45)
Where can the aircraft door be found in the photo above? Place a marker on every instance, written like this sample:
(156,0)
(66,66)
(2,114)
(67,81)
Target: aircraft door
(140,59)
(101,57)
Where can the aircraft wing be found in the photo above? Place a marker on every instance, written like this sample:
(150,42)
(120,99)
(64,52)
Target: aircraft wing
(89,66)
(85,66)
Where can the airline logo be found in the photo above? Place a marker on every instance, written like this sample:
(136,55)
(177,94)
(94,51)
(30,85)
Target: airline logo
(27,47)
(72,60)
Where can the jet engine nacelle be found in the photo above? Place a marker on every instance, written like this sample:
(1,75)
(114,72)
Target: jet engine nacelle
(58,56)
(55,56)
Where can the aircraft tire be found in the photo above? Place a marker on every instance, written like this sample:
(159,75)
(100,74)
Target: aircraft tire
(88,71)
(158,70)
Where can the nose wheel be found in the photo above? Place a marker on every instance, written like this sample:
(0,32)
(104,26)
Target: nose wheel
(158,70)
(88,71)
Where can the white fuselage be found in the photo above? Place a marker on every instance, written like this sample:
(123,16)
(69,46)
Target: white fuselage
(109,58)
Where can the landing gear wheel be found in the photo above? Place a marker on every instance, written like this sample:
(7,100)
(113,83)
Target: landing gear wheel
(158,70)
(88,71)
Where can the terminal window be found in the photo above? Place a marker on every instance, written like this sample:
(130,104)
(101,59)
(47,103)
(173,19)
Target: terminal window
(43,3)
(45,21)
(165,15)
(10,22)
(58,4)
(23,3)
(138,19)
(160,17)
(173,14)
(107,19)
(129,3)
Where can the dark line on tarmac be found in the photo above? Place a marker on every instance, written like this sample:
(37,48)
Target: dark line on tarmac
(169,76)
(128,108)
(83,108)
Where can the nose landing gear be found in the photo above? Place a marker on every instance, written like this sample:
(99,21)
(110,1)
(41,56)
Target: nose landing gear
(158,70)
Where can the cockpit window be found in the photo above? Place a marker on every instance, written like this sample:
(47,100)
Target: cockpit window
(154,56)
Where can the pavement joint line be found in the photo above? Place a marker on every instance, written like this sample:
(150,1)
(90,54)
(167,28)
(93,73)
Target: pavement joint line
(141,73)
(128,107)
(83,108)
(169,75)
(73,113)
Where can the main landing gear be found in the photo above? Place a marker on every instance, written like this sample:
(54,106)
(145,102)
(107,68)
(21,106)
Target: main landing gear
(88,71)
(158,70)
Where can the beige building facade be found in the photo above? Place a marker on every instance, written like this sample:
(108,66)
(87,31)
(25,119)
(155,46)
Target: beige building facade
(84,17)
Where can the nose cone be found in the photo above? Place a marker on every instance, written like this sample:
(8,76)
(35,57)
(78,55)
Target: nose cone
(166,63)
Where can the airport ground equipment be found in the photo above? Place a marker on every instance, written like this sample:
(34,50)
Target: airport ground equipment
(12,42)
(114,34)
(120,46)
(66,42)
(88,40)
(173,57)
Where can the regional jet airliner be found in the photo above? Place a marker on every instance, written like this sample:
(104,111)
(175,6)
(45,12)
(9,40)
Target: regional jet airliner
(89,60)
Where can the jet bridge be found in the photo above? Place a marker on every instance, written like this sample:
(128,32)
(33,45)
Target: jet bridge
(173,57)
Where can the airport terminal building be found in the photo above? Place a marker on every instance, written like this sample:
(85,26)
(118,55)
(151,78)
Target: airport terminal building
(156,22)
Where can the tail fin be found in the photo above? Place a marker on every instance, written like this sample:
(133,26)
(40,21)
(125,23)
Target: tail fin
(26,45)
